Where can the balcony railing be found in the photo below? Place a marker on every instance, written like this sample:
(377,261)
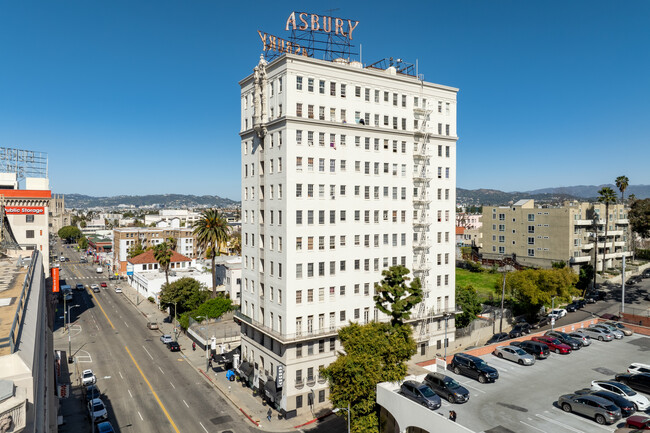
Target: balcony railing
(304,335)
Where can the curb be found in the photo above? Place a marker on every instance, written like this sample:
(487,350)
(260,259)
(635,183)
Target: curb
(315,419)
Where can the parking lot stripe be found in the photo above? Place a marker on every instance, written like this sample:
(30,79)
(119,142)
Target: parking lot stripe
(545,418)
(473,387)
(532,426)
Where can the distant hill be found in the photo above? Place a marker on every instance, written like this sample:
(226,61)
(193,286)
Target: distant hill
(590,191)
(79,201)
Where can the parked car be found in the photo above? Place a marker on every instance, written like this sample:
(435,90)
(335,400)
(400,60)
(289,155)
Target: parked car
(640,401)
(474,367)
(103,284)
(152,325)
(572,307)
(557,313)
(514,354)
(584,338)
(599,334)
(638,382)
(447,388)
(582,303)
(519,330)
(539,350)
(97,410)
(626,406)
(88,378)
(420,393)
(496,338)
(573,343)
(618,325)
(166,338)
(637,367)
(105,427)
(591,299)
(92,391)
(603,411)
(615,332)
(79,287)
(631,281)
(608,316)
(118,289)
(543,321)
(639,422)
(173,346)
(553,344)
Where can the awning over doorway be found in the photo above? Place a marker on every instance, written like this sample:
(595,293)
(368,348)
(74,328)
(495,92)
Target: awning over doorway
(246,369)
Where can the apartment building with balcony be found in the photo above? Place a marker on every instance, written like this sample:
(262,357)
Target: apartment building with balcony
(538,236)
(346,171)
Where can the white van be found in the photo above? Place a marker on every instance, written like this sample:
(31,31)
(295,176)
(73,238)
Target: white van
(100,270)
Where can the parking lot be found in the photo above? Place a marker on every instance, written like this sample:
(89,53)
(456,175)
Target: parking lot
(524,398)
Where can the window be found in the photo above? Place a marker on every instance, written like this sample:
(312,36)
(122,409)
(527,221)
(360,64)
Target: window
(29,218)
(321,87)
(531,252)
(332,89)
(310,84)
(29,234)
(298,83)
(299,109)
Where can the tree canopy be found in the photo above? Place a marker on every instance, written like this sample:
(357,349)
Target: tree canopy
(83,242)
(531,289)
(467,299)
(606,196)
(394,297)
(372,353)
(639,216)
(622,183)
(186,292)
(163,255)
(211,231)
(69,233)
(136,250)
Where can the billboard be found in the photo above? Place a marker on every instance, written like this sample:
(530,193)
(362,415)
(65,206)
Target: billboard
(55,279)
(24,210)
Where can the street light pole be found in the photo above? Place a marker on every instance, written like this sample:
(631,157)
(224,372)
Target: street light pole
(69,337)
(349,413)
(552,308)
(446,316)
(175,334)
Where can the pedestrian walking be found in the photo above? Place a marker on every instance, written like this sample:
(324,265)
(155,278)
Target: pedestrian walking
(269,414)
(452,415)
(194,346)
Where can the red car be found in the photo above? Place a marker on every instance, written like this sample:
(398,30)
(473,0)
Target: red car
(104,284)
(553,344)
(638,421)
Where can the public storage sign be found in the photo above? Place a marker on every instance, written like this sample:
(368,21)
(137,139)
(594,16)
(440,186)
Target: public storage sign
(24,210)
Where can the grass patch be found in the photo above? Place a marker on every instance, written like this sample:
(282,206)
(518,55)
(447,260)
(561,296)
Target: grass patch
(483,282)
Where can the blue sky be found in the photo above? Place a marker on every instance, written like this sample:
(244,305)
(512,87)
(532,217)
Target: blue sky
(141,97)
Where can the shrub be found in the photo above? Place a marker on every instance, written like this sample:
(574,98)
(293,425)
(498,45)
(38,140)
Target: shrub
(151,299)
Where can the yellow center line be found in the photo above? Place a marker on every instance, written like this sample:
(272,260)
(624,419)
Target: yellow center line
(162,406)
(101,308)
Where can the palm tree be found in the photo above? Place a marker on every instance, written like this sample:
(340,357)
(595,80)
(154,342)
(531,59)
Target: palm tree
(211,232)
(163,254)
(621,183)
(607,196)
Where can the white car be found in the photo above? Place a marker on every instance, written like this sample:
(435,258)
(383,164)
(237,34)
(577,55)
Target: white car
(97,410)
(118,290)
(641,402)
(166,338)
(88,378)
(558,313)
(637,367)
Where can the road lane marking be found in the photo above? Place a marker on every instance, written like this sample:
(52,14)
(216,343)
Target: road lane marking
(206,430)
(162,406)
(188,406)
(127,325)
(145,349)
(172,385)
(161,370)
(130,393)
(102,308)
(143,418)
(121,374)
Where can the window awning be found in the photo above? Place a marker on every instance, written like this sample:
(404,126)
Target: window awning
(246,369)
(270,390)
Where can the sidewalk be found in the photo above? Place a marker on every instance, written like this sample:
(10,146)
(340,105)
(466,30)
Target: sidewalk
(241,397)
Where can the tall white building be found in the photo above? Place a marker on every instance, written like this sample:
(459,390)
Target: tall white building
(346,171)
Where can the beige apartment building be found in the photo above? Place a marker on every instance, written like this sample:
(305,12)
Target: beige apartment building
(538,236)
(125,238)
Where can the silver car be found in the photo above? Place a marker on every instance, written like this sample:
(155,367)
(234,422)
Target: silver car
(603,411)
(615,332)
(514,354)
(580,336)
(620,327)
(598,333)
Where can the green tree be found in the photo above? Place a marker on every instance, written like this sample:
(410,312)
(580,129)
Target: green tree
(163,255)
(606,196)
(213,308)
(394,297)
(211,231)
(69,233)
(186,292)
(83,242)
(622,183)
(584,278)
(639,216)
(531,289)
(468,301)
(235,243)
(136,250)
(372,353)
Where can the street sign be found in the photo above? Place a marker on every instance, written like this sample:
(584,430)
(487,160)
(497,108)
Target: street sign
(129,269)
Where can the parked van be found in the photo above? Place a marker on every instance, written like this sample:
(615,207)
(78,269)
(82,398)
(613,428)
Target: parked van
(100,270)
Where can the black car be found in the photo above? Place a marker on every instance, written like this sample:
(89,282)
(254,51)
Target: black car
(92,392)
(538,350)
(420,393)
(474,367)
(566,339)
(627,407)
(498,337)
(572,307)
(447,388)
(543,321)
(173,346)
(519,330)
(581,303)
(638,382)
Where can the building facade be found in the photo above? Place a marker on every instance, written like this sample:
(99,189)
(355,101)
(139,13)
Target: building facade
(538,236)
(125,238)
(346,171)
